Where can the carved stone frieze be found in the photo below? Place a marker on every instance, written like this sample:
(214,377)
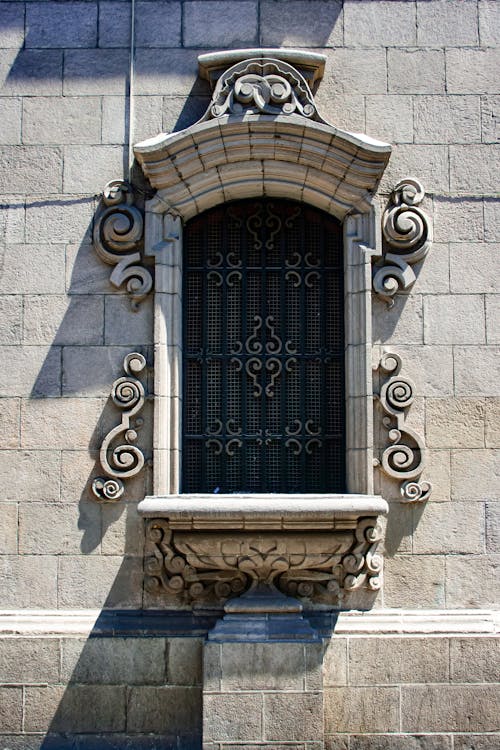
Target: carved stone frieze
(118,458)
(118,238)
(404,458)
(205,569)
(407,238)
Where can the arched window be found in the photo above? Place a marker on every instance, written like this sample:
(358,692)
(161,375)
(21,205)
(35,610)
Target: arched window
(263,350)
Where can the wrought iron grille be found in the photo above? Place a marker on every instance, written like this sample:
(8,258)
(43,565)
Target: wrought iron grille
(263,350)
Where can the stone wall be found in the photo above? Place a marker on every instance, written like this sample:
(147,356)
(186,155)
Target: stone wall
(421,75)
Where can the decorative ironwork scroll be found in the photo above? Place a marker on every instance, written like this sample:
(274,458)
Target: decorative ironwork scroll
(119,459)
(404,459)
(188,567)
(407,235)
(118,236)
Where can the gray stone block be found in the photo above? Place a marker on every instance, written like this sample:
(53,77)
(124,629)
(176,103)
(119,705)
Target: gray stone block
(390,118)
(490,119)
(458,219)
(31,72)
(32,269)
(214,24)
(429,162)
(69,24)
(233,717)
(361,709)
(59,320)
(28,581)
(169,711)
(472,71)
(457,423)
(447,23)
(62,120)
(416,71)
(30,169)
(454,319)
(38,370)
(11,25)
(54,529)
(310,24)
(400,742)
(11,319)
(114,24)
(62,219)
(293,716)
(98,581)
(493,319)
(492,423)
(476,741)
(353,71)
(262,666)
(29,475)
(75,708)
(492,220)
(124,327)
(474,659)
(433,275)
(402,324)
(478,483)
(335,662)
(95,71)
(477,371)
(129,661)
(86,273)
(468,268)
(12,214)
(449,708)
(414,581)
(398,660)
(91,370)
(381,24)
(122,527)
(489,21)
(449,528)
(29,660)
(10,115)
(69,423)
(11,709)
(184,661)
(158,24)
(447,119)
(115,117)
(474,169)
(175,71)
(471,581)
(8,528)
(79,177)
(342,110)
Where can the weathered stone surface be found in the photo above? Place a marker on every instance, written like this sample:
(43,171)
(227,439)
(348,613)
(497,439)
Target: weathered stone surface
(184,661)
(489,20)
(474,659)
(8,528)
(31,72)
(384,24)
(477,370)
(397,660)
(402,324)
(63,219)
(62,120)
(139,327)
(476,741)
(458,219)
(335,662)
(457,319)
(447,119)
(416,71)
(11,25)
(78,177)
(85,273)
(355,72)
(490,119)
(150,33)
(95,71)
(210,24)
(262,666)
(430,368)
(343,110)
(493,319)
(114,24)
(311,24)
(475,474)
(170,711)
(361,709)
(30,169)
(51,24)
(33,269)
(236,717)
(429,162)
(457,423)
(472,582)
(492,220)
(400,742)
(414,581)
(180,112)
(62,423)
(433,274)
(97,581)
(104,362)
(29,660)
(472,71)
(12,215)
(38,371)
(447,23)
(129,661)
(11,709)
(122,527)
(29,475)
(389,118)
(473,169)
(10,115)
(28,582)
(469,266)
(451,708)
(61,320)
(58,529)
(175,72)
(76,708)
(492,527)
(293,716)
(11,319)
(449,528)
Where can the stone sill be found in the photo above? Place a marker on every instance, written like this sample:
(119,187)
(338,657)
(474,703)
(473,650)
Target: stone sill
(263,511)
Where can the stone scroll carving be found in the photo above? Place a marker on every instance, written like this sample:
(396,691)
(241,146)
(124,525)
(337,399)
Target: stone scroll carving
(120,459)
(262,86)
(407,238)
(118,236)
(190,568)
(404,458)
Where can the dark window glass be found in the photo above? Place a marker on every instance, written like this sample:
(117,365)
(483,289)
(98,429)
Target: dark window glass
(263,350)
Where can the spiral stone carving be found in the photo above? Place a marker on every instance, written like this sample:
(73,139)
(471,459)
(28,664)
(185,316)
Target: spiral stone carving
(407,234)
(404,459)
(121,460)
(118,234)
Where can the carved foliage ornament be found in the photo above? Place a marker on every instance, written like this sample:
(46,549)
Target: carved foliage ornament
(404,459)
(206,569)
(262,86)
(119,459)
(118,236)
(407,235)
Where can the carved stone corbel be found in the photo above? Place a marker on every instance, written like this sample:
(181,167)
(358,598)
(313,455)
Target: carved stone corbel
(123,460)
(404,459)
(407,238)
(118,236)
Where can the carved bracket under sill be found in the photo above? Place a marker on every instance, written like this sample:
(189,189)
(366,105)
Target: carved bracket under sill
(202,550)
(407,238)
(404,459)
(123,460)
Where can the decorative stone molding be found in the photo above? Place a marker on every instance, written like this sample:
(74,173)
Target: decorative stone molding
(123,460)
(118,238)
(404,459)
(204,551)
(407,235)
